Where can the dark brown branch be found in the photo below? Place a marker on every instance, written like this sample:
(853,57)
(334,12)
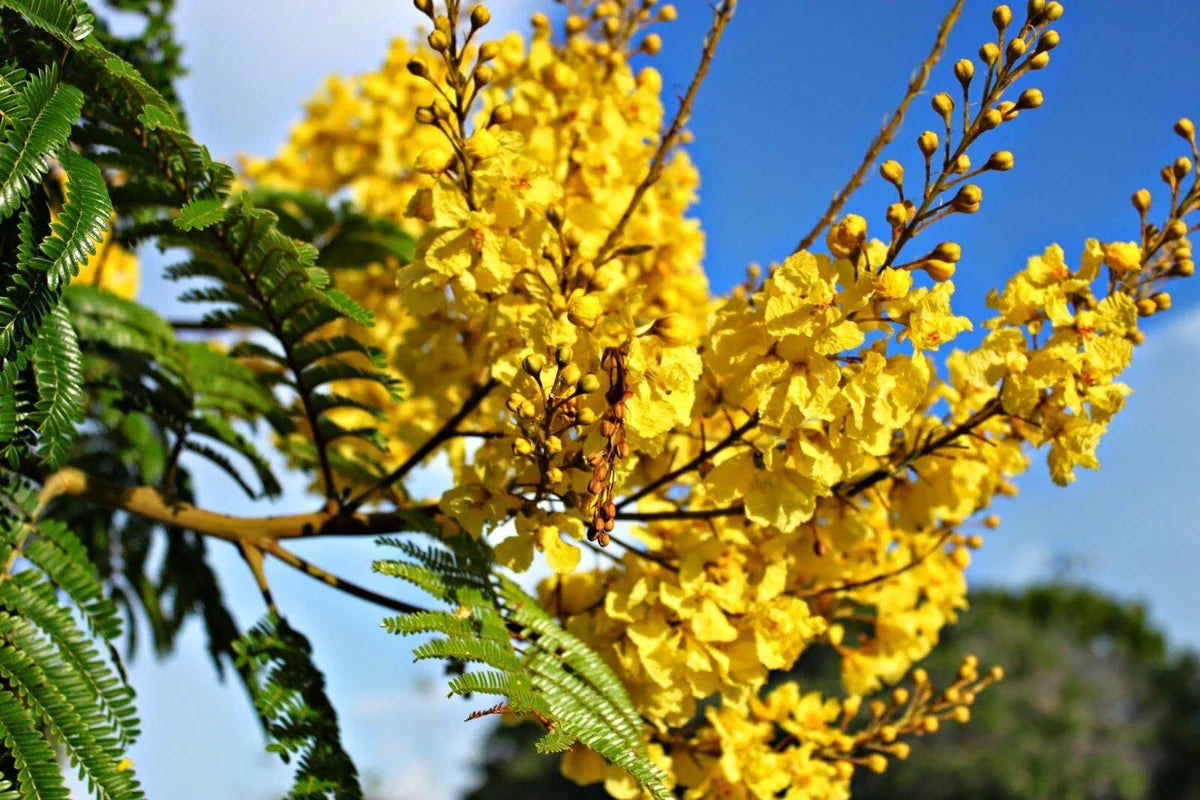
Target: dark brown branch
(683,513)
(446,432)
(883,576)
(734,436)
(341,584)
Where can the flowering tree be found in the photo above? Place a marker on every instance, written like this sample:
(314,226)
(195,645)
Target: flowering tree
(516,287)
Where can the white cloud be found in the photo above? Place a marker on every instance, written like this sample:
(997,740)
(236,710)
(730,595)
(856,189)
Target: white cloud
(253,63)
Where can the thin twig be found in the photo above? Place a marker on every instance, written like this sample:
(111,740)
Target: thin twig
(883,576)
(888,132)
(341,584)
(447,431)
(723,13)
(734,436)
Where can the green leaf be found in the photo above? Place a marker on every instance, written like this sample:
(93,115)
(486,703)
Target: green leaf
(59,377)
(199,214)
(33,138)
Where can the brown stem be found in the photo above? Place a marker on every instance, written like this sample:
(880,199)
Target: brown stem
(447,431)
(889,130)
(723,13)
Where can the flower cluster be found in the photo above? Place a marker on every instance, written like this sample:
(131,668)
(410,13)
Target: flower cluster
(802,463)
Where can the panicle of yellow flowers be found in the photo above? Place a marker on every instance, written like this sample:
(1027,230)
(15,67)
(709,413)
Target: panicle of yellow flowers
(783,467)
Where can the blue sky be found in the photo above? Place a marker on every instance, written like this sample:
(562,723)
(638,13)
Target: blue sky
(796,93)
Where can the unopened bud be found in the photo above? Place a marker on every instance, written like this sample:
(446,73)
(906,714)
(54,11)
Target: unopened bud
(938,270)
(964,70)
(1176,229)
(652,44)
(1016,48)
(948,251)
(1001,16)
(928,143)
(1039,61)
(1053,12)
(417,67)
(847,236)
(589,383)
(438,41)
(892,172)
(1030,98)
(1141,200)
(1162,300)
(943,105)
(1000,161)
(968,199)
(1146,307)
(563,355)
(1182,166)
(533,364)
(991,119)
(480,16)
(1185,128)
(1048,41)
(989,54)
(484,75)
(668,13)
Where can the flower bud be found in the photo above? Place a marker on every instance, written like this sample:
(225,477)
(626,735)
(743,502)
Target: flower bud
(1141,200)
(943,105)
(652,44)
(527,410)
(1053,12)
(964,70)
(533,364)
(438,41)
(417,67)
(1182,166)
(434,161)
(901,750)
(938,270)
(847,236)
(1001,16)
(522,446)
(1030,98)
(968,199)
(877,762)
(482,145)
(484,75)
(424,6)
(674,329)
(888,733)
(929,724)
(585,310)
(899,696)
(1176,229)
(989,54)
(991,119)
(480,16)
(1146,307)
(1048,41)
(1016,48)
(563,355)
(489,51)
(1000,161)
(570,374)
(892,172)
(897,215)
(948,251)
(928,143)
(424,115)
(589,383)
(1185,129)
(1039,61)
(1162,300)
(501,115)
(585,416)
(554,475)
(1184,268)
(961,715)
(962,165)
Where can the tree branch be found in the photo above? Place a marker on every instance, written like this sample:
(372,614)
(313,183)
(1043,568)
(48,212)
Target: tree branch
(723,13)
(446,432)
(150,503)
(889,130)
